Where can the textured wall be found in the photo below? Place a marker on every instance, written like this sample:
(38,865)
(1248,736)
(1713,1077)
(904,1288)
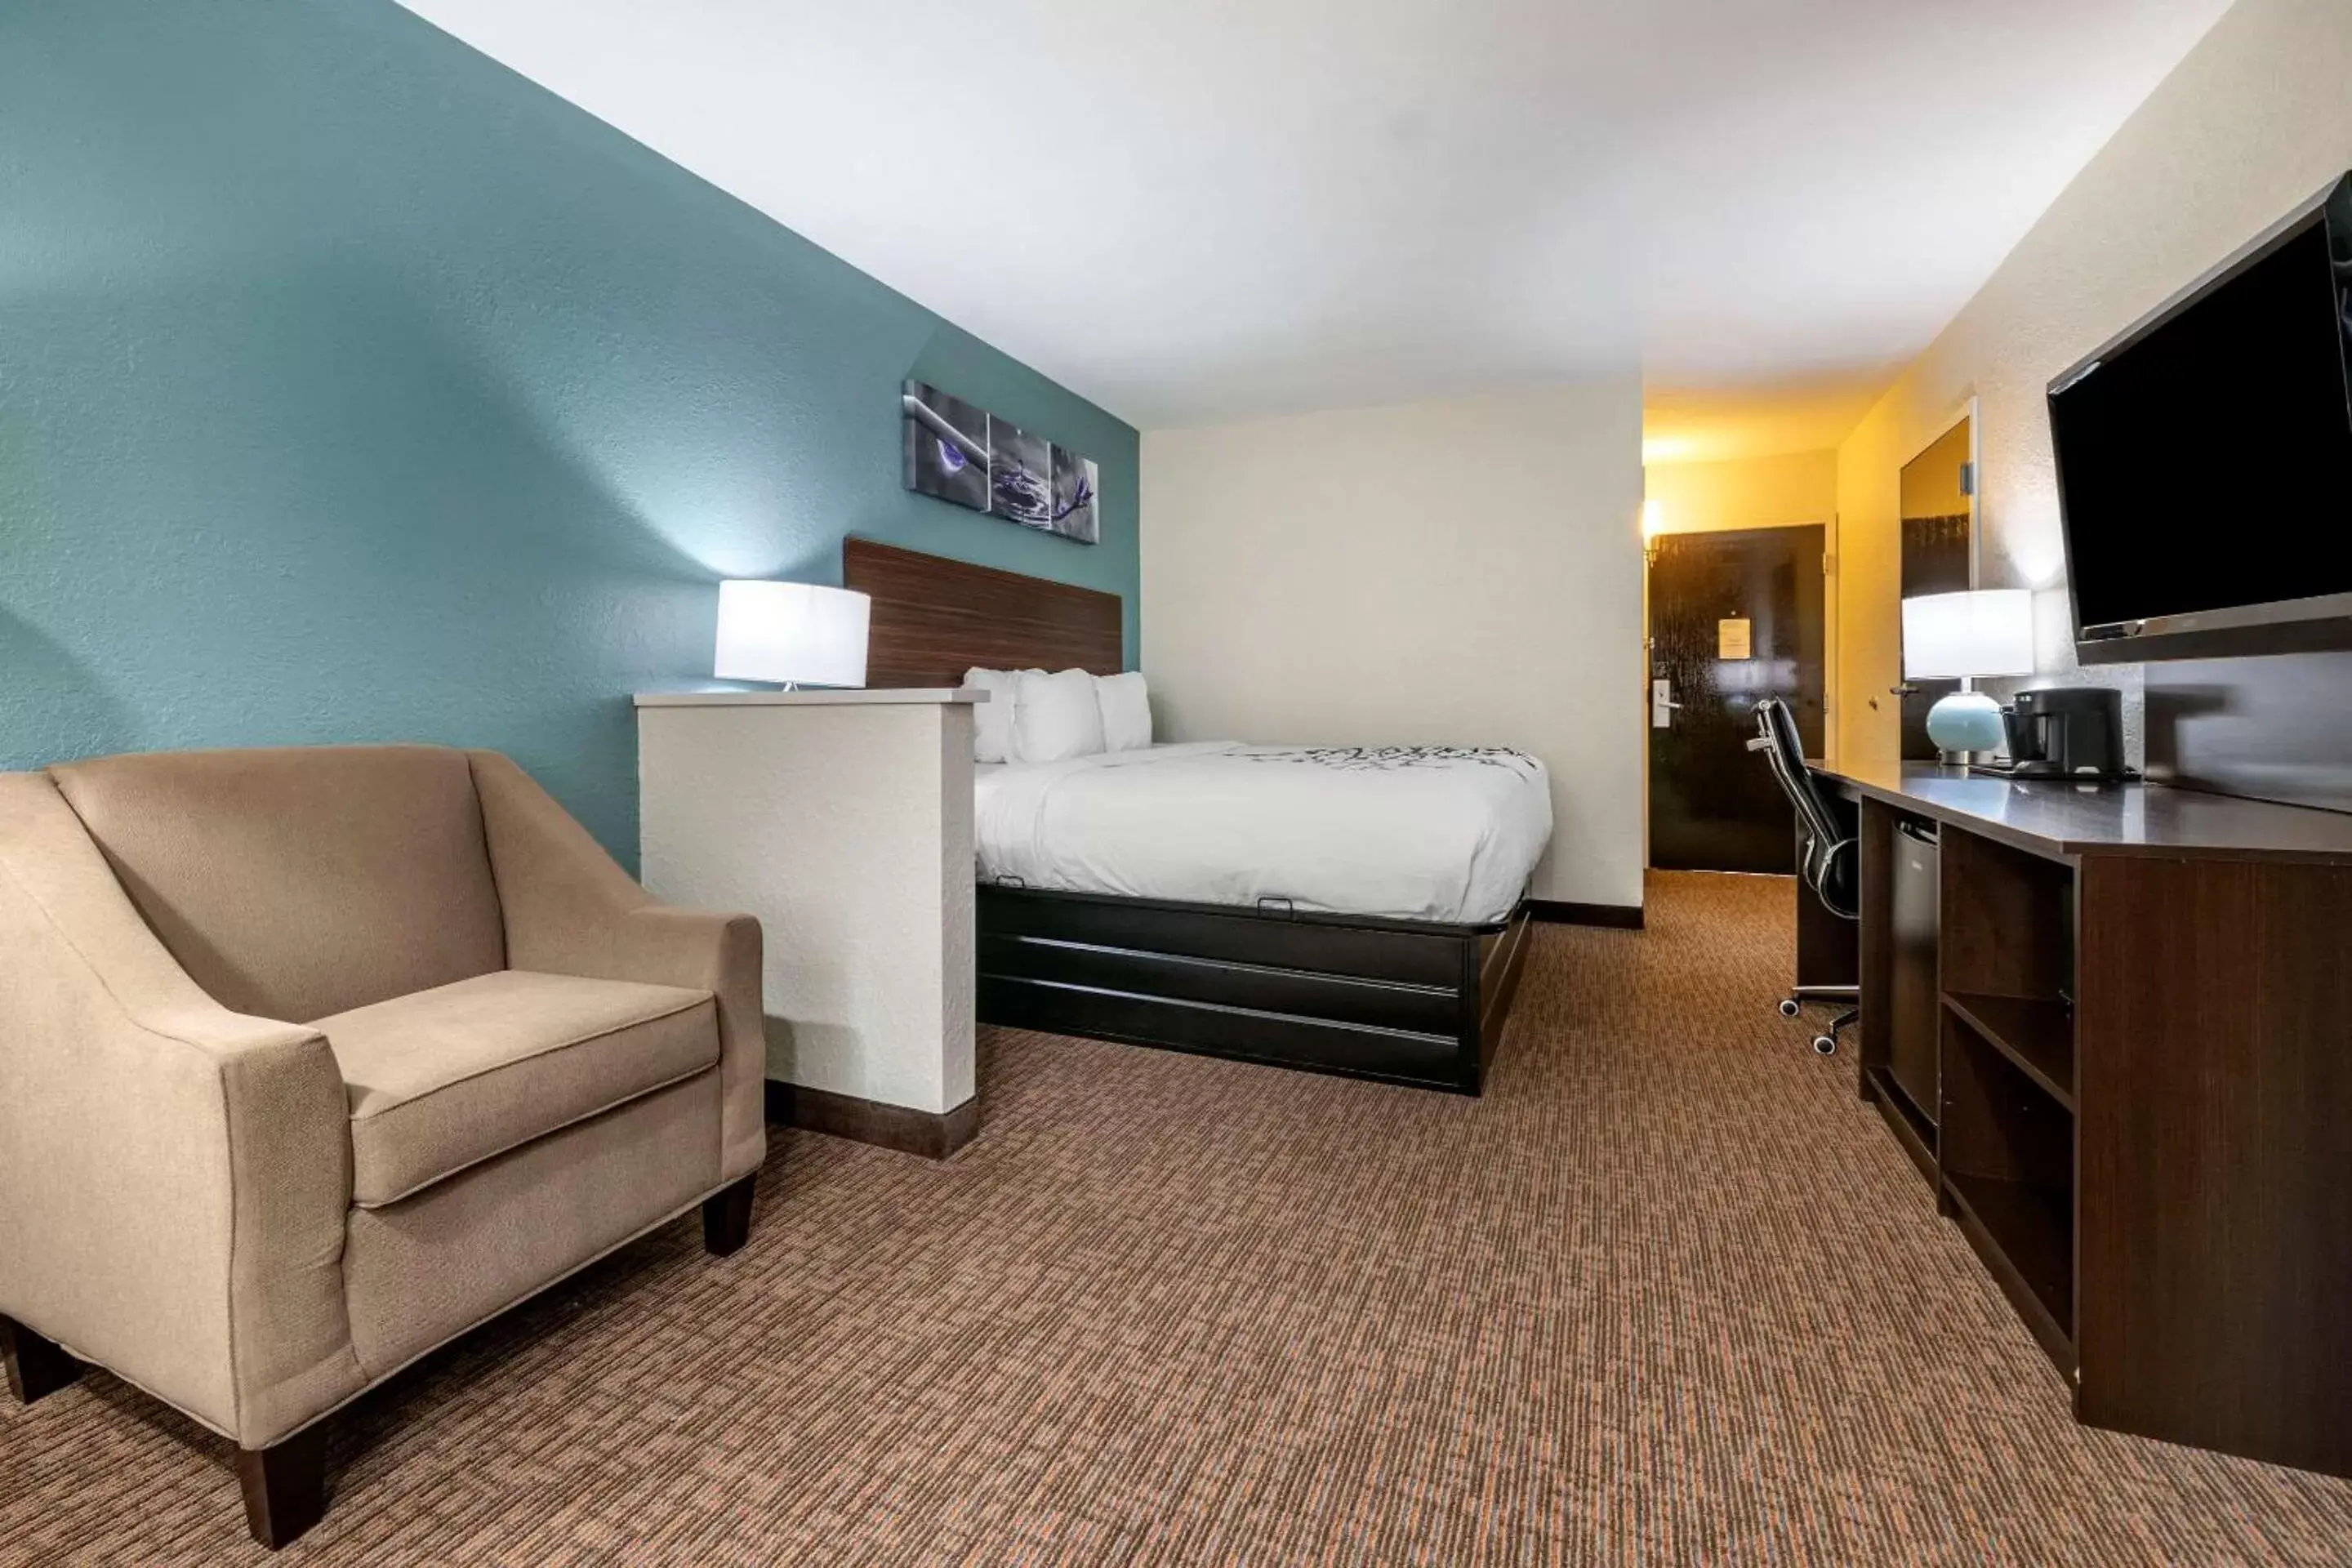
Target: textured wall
(352,387)
(2253,120)
(1466,572)
(848,830)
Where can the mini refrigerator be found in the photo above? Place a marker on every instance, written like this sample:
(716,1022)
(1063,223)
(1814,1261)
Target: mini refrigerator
(1915,1024)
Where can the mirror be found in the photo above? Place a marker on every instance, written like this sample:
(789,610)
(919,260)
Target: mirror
(1938,545)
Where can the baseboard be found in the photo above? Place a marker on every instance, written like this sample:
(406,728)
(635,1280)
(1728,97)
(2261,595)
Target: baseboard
(932,1134)
(1554,912)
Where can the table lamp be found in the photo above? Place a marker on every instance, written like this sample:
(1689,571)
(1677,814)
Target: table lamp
(1958,636)
(794,633)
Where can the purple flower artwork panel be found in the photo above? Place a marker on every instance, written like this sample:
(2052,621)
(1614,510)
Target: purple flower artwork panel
(958,452)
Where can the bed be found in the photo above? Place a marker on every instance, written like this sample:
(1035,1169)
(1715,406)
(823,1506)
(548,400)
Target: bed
(1417,994)
(1442,834)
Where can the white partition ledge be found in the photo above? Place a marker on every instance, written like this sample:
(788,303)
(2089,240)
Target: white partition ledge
(844,821)
(811,698)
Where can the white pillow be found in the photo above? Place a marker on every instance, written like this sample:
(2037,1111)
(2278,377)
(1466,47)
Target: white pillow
(1126,711)
(991,721)
(1055,717)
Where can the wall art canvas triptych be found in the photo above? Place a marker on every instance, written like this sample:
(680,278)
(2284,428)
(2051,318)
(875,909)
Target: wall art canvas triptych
(962,453)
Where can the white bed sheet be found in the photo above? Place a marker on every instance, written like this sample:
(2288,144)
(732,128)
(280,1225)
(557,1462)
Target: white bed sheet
(1422,833)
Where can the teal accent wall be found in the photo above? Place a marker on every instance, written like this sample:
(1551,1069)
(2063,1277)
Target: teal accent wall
(353,388)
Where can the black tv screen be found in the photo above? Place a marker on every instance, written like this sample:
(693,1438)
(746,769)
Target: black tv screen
(2205,460)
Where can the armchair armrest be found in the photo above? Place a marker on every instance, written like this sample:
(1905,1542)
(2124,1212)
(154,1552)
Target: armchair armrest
(571,910)
(175,1177)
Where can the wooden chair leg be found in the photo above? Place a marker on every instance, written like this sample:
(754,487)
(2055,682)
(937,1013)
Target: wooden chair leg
(285,1486)
(36,1368)
(726,1218)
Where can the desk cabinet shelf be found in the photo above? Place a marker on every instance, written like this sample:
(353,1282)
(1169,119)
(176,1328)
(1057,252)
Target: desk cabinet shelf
(2036,1035)
(2008,1174)
(2143,1083)
(2005,961)
(2025,1235)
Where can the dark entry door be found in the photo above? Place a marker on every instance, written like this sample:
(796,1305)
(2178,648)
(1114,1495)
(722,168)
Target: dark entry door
(1734,617)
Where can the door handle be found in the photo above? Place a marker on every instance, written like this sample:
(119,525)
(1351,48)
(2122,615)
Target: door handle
(1902,689)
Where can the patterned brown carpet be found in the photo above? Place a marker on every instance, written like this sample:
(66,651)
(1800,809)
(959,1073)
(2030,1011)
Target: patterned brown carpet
(1667,1294)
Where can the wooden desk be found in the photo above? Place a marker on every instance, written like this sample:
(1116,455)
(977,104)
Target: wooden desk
(2144,1126)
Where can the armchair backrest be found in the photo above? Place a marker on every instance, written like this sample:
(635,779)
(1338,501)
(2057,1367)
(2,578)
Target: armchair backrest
(297,882)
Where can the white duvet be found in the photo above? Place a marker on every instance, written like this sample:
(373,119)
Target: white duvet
(1424,833)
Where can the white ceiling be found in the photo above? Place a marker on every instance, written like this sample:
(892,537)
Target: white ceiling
(1199,210)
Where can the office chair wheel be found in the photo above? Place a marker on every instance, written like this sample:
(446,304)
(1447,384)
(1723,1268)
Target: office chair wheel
(1790,1006)
(1825,1045)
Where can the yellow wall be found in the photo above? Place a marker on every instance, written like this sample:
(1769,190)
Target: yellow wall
(2256,120)
(1750,492)
(1755,492)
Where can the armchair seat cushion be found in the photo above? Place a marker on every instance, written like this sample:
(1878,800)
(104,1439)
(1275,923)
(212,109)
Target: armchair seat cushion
(442,1079)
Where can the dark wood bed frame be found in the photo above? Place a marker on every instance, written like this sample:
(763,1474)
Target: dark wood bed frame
(1405,1000)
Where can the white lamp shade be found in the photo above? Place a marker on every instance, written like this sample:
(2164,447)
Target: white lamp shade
(794,632)
(1986,631)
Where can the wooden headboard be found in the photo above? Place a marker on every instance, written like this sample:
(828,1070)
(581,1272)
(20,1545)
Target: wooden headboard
(935,619)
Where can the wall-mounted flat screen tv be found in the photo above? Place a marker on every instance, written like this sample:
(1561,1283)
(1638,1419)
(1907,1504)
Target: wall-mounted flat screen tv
(2205,458)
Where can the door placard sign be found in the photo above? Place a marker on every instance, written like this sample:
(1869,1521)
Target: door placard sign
(1732,640)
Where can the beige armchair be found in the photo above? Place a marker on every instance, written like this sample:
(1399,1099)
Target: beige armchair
(312,1059)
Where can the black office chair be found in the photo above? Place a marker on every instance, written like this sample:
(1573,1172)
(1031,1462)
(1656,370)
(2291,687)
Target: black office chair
(1830,861)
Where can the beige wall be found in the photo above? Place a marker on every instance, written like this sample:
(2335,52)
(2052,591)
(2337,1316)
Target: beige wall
(2257,118)
(1465,571)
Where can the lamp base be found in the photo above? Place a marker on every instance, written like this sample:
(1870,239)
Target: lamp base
(1966,721)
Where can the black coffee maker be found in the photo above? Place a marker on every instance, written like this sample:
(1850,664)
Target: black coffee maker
(2066,731)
